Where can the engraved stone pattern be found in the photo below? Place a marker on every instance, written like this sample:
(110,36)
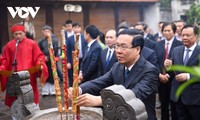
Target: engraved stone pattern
(24,105)
(121,104)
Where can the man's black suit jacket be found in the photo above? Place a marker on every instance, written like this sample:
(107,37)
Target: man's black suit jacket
(70,42)
(160,51)
(103,68)
(191,95)
(143,81)
(149,43)
(89,65)
(149,55)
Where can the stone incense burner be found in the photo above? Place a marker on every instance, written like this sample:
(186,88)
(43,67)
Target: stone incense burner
(118,103)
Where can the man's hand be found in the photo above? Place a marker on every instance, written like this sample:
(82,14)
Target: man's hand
(41,67)
(168,63)
(86,100)
(181,77)
(80,77)
(47,58)
(163,78)
(69,66)
(70,90)
(89,100)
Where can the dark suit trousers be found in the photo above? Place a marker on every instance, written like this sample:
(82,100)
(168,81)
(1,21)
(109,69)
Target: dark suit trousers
(70,77)
(80,61)
(187,112)
(164,94)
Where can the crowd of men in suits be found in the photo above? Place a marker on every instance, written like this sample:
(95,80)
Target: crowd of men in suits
(140,62)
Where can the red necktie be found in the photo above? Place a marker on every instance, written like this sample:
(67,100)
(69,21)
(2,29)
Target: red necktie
(166,56)
(166,50)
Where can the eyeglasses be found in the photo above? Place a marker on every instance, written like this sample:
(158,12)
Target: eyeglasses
(122,47)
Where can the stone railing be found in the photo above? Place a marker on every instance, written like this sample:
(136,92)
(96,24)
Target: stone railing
(19,85)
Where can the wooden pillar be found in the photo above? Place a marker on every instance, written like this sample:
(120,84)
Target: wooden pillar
(49,15)
(4,34)
(141,12)
(116,16)
(85,15)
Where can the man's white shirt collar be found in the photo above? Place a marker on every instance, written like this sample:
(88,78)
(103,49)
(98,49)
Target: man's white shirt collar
(129,68)
(192,47)
(90,43)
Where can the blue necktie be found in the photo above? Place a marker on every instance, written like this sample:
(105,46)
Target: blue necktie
(126,76)
(186,56)
(108,58)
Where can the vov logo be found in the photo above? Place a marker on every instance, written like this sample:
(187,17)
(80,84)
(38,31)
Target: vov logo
(23,12)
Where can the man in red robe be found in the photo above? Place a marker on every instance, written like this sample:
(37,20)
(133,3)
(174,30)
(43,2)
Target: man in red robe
(28,55)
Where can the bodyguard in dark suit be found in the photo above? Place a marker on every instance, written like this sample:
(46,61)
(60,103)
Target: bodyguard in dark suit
(158,36)
(164,50)
(147,34)
(147,41)
(70,47)
(132,71)
(108,58)
(89,65)
(188,104)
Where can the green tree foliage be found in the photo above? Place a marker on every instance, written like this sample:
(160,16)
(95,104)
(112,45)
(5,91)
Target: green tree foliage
(193,14)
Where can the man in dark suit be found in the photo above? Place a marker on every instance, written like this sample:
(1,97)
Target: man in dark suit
(77,37)
(164,50)
(141,76)
(179,25)
(188,104)
(147,41)
(147,34)
(89,65)
(108,57)
(68,29)
(158,36)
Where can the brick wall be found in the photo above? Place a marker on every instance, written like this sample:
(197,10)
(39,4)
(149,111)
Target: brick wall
(100,15)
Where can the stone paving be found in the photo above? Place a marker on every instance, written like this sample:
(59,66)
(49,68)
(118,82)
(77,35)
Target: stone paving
(45,103)
(4,110)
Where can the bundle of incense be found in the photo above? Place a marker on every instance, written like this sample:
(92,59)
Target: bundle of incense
(75,93)
(55,75)
(65,72)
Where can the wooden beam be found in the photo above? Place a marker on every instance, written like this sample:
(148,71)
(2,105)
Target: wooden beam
(85,15)
(141,12)
(116,16)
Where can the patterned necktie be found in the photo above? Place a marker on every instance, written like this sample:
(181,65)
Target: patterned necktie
(108,58)
(77,42)
(186,56)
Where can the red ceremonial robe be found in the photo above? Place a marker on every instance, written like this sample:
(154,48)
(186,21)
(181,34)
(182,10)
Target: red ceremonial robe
(28,55)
